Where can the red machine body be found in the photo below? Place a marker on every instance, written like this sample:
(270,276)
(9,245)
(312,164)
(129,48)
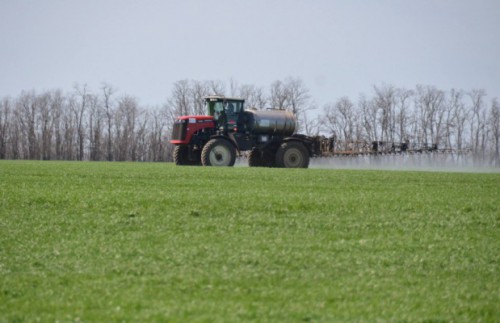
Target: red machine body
(187,126)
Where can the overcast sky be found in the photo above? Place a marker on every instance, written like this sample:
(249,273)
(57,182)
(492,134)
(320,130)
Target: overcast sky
(338,48)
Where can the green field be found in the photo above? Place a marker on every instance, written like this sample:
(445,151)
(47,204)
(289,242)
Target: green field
(100,242)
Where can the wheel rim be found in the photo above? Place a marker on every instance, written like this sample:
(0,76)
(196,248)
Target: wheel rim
(293,158)
(220,156)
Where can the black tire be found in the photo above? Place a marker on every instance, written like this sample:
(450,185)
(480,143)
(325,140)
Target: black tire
(181,157)
(269,158)
(218,152)
(255,158)
(292,154)
(261,158)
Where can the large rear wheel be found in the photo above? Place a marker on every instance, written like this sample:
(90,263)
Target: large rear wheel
(218,152)
(292,154)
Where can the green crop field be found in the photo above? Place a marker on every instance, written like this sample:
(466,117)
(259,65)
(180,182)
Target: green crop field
(135,242)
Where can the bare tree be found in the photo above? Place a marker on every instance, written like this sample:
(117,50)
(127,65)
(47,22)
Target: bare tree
(107,92)
(459,116)
(384,104)
(298,99)
(330,120)
(278,96)
(180,100)
(402,99)
(158,124)
(476,120)
(254,96)
(345,109)
(15,135)
(369,118)
(297,95)
(141,135)
(451,102)
(26,113)
(45,122)
(57,107)
(133,114)
(5,120)
(79,106)
(216,87)
(95,116)
(312,126)
(199,90)
(125,119)
(494,123)
(429,103)
(340,119)
(69,133)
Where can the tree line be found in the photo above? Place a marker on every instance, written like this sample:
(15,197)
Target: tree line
(100,125)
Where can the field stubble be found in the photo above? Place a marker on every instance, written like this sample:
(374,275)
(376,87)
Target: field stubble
(149,242)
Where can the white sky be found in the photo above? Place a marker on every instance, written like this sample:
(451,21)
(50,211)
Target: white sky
(338,48)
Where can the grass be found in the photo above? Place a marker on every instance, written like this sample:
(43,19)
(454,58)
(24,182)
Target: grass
(153,242)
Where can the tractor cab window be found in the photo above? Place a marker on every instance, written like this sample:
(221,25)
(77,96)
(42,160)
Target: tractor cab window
(233,107)
(215,109)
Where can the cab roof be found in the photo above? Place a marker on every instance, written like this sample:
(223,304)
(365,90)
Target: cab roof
(222,98)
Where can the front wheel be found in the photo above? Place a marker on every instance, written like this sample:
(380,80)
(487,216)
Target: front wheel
(292,154)
(218,152)
(182,156)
